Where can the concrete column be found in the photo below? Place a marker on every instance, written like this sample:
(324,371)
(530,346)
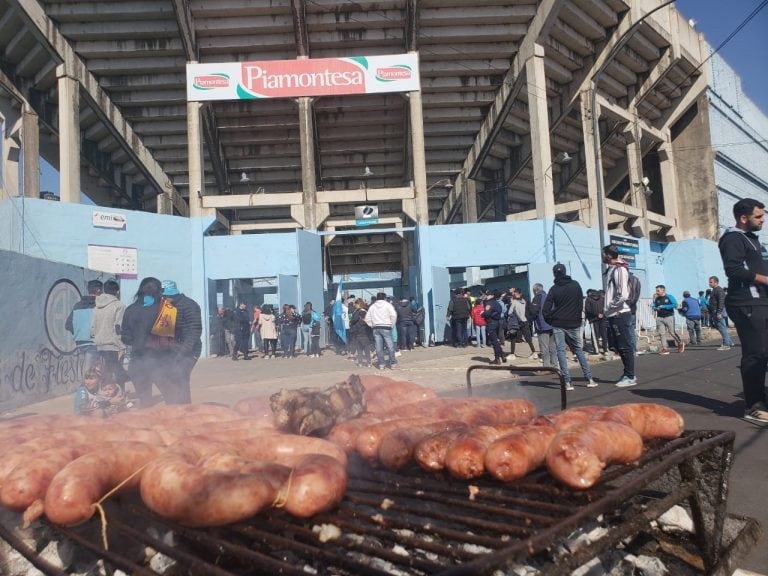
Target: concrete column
(30,134)
(69,137)
(195,159)
(419,158)
(308,182)
(540,147)
(470,201)
(589,159)
(668,179)
(634,135)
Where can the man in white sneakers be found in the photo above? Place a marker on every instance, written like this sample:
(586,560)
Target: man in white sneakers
(618,312)
(381,316)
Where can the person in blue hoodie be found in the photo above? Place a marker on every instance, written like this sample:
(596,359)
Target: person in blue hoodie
(691,309)
(664,306)
(79,324)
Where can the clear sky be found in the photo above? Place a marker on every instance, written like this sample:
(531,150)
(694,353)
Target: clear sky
(747,52)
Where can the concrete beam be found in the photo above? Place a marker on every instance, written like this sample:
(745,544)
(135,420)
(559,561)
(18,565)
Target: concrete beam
(363,196)
(264,226)
(253,200)
(60,48)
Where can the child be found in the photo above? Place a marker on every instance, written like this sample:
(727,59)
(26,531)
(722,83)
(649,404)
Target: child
(115,399)
(87,398)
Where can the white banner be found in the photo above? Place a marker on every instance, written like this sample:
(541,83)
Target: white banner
(109,220)
(310,77)
(117,260)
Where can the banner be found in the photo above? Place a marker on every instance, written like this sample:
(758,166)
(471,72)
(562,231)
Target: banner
(309,77)
(340,321)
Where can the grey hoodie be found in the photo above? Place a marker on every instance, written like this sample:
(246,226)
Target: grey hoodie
(105,326)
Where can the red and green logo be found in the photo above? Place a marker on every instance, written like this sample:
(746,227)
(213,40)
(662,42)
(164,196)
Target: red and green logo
(211,81)
(393,73)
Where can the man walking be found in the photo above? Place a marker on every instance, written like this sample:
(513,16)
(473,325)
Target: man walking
(242,324)
(459,311)
(562,309)
(619,313)
(381,317)
(692,312)
(547,346)
(717,312)
(664,306)
(105,330)
(745,263)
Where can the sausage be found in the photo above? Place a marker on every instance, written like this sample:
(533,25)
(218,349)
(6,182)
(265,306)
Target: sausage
(317,483)
(578,455)
(228,489)
(570,417)
(344,434)
(430,452)
(287,449)
(223,430)
(475,411)
(514,455)
(369,439)
(465,457)
(389,397)
(396,448)
(649,420)
(258,408)
(74,491)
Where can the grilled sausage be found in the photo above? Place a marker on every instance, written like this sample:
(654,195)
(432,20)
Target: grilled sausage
(396,448)
(514,455)
(317,483)
(430,452)
(649,420)
(344,434)
(578,455)
(570,417)
(465,457)
(74,491)
(390,396)
(369,439)
(287,449)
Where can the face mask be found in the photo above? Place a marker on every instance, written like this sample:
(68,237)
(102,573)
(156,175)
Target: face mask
(148,300)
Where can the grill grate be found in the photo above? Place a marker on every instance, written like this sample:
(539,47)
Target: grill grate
(413,523)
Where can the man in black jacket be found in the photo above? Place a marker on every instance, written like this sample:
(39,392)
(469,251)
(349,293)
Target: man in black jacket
(745,261)
(594,311)
(459,311)
(562,309)
(717,312)
(242,326)
(183,356)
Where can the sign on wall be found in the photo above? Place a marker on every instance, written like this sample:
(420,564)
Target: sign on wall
(117,260)
(366,215)
(309,77)
(628,249)
(109,220)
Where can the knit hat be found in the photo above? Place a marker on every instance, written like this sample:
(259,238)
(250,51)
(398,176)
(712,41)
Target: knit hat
(559,270)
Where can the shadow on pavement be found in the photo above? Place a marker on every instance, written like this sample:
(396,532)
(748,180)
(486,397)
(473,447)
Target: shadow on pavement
(733,409)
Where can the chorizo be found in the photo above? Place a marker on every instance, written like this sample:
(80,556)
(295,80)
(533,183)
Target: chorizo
(430,452)
(369,439)
(287,449)
(570,417)
(317,483)
(388,397)
(396,448)
(578,455)
(465,457)
(344,434)
(514,455)
(649,420)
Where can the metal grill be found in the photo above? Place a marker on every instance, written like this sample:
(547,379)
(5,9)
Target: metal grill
(413,523)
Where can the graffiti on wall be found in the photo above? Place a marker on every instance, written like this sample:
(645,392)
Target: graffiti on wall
(58,364)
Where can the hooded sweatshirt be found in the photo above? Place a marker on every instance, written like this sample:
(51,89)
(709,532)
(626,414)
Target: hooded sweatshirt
(594,305)
(564,303)
(743,257)
(616,289)
(106,322)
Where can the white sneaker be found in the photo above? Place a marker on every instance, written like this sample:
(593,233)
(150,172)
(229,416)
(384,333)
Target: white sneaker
(398,353)
(626,382)
(534,356)
(568,386)
(592,384)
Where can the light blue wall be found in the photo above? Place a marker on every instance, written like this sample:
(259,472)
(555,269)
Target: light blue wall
(251,256)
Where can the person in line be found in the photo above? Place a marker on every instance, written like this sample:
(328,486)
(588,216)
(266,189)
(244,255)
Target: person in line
(218,335)
(79,321)
(717,312)
(479,323)
(619,313)
(105,332)
(563,310)
(745,261)
(492,315)
(255,334)
(381,317)
(268,331)
(242,321)
(547,345)
(594,312)
(459,310)
(664,306)
(308,319)
(360,334)
(704,307)
(690,308)
(405,325)
(288,324)
(518,306)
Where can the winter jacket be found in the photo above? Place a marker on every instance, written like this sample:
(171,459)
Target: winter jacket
(459,308)
(268,326)
(242,321)
(358,329)
(189,326)
(616,281)
(519,307)
(717,300)
(79,320)
(664,306)
(537,309)
(744,257)
(381,314)
(289,321)
(492,314)
(594,306)
(691,308)
(564,304)
(477,313)
(404,312)
(137,322)
(106,322)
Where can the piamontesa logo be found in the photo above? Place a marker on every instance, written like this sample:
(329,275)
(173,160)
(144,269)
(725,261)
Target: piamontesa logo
(211,81)
(301,78)
(393,73)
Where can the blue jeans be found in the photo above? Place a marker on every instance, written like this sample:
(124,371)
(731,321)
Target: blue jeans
(623,336)
(720,325)
(383,337)
(572,337)
(288,342)
(480,335)
(306,334)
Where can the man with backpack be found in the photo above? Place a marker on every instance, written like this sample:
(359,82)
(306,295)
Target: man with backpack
(459,311)
(619,312)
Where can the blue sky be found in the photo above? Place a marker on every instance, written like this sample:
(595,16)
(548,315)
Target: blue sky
(747,52)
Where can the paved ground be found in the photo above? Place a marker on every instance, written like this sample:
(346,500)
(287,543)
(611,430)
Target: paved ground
(703,384)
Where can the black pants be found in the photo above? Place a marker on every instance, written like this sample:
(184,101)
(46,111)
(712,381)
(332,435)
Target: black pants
(459,326)
(492,335)
(170,373)
(113,366)
(242,341)
(600,334)
(752,327)
(525,332)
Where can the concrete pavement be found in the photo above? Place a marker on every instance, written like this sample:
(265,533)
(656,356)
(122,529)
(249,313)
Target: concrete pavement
(703,384)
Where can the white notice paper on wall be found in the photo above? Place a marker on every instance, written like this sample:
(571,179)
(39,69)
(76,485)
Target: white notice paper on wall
(109,220)
(118,260)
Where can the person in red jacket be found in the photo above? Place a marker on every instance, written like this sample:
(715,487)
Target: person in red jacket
(479,323)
